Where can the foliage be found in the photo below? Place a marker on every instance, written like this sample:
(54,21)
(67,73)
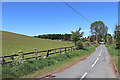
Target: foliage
(87,43)
(29,67)
(109,39)
(83,39)
(66,36)
(112,50)
(99,29)
(92,38)
(80,44)
(76,35)
(117,35)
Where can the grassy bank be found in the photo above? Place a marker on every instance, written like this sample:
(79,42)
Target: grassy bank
(113,53)
(12,43)
(41,66)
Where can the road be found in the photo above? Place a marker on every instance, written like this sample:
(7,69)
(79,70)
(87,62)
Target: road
(97,65)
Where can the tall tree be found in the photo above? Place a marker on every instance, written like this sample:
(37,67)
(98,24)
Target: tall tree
(99,29)
(117,35)
(109,39)
(92,38)
(76,35)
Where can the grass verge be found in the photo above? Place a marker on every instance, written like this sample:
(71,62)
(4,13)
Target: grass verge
(115,58)
(37,67)
(113,53)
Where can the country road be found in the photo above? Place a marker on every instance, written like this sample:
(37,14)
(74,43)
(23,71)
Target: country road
(97,65)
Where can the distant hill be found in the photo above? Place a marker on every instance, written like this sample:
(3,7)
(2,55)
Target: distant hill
(12,43)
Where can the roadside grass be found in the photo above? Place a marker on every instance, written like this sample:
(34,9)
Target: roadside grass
(37,67)
(12,43)
(113,53)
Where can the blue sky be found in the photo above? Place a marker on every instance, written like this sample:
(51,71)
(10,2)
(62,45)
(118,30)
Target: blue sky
(34,18)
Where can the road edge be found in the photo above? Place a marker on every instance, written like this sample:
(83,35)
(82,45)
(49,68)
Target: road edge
(113,65)
(51,74)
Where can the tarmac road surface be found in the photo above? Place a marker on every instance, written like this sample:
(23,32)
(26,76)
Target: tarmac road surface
(97,65)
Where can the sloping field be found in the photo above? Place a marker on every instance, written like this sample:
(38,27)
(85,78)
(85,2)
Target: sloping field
(12,43)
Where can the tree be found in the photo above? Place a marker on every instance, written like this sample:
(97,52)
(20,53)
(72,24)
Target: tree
(55,36)
(84,39)
(79,45)
(76,35)
(92,38)
(109,39)
(99,29)
(117,35)
(67,37)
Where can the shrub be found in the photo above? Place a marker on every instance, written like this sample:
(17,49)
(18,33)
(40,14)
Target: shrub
(87,44)
(80,45)
(83,39)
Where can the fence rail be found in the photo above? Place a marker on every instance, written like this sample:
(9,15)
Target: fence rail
(48,52)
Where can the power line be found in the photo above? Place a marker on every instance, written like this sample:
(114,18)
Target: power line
(77,12)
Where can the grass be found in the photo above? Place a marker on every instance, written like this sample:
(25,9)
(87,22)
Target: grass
(41,66)
(113,53)
(12,43)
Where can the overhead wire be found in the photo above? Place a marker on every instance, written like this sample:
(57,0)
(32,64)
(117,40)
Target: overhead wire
(77,12)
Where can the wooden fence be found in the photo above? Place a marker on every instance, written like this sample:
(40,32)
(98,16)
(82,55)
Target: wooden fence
(36,54)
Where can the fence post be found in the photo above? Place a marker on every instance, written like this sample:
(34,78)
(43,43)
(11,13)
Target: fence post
(21,52)
(75,47)
(68,49)
(22,56)
(65,49)
(60,50)
(47,53)
(12,56)
(54,51)
(3,60)
(71,49)
(35,49)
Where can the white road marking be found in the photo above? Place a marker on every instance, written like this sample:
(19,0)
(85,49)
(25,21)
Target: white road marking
(95,62)
(92,65)
(83,76)
(100,53)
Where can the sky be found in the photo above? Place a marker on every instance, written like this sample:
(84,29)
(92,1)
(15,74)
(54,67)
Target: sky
(34,18)
(60,0)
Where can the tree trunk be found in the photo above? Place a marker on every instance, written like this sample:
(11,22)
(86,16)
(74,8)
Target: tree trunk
(75,43)
(96,39)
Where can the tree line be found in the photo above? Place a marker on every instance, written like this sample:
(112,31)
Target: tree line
(66,37)
(99,33)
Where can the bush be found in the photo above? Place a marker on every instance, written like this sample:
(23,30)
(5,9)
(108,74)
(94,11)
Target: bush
(87,44)
(80,45)
(83,39)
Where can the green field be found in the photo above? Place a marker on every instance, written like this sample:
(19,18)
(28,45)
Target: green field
(12,43)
